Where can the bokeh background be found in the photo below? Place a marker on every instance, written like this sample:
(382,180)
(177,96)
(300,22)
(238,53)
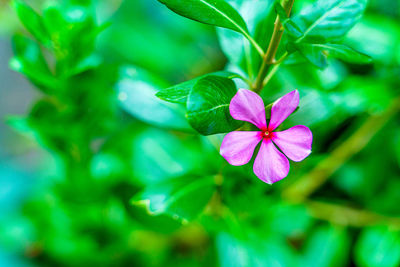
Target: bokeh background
(72,159)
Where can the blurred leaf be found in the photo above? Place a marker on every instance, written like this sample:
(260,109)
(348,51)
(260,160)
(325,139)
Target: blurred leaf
(175,197)
(32,21)
(179,93)
(378,247)
(208,106)
(257,251)
(380,43)
(214,12)
(29,61)
(158,156)
(328,246)
(328,20)
(317,53)
(136,93)
(280,217)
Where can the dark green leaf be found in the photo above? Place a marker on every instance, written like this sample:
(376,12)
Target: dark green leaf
(378,247)
(328,20)
(32,21)
(214,12)
(208,105)
(175,197)
(136,93)
(179,93)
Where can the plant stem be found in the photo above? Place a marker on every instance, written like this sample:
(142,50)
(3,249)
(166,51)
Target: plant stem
(269,57)
(348,216)
(311,181)
(274,69)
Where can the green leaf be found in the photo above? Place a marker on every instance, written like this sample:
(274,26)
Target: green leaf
(32,21)
(258,250)
(313,54)
(136,93)
(208,106)
(328,20)
(378,247)
(158,155)
(317,53)
(175,197)
(244,58)
(214,12)
(179,93)
(327,247)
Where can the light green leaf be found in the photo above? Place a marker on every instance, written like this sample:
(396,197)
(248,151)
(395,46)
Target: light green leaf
(158,155)
(328,20)
(378,247)
(317,53)
(175,197)
(32,21)
(136,94)
(179,93)
(313,54)
(214,12)
(30,61)
(328,246)
(208,106)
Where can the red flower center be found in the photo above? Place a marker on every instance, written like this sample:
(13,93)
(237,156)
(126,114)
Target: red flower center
(266,134)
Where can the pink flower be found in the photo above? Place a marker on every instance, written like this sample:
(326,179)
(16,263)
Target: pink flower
(270,165)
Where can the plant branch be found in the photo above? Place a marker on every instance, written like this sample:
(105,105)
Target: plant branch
(269,57)
(311,181)
(348,216)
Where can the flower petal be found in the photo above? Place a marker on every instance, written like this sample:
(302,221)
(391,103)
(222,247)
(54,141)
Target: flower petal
(294,142)
(248,106)
(270,164)
(238,147)
(282,108)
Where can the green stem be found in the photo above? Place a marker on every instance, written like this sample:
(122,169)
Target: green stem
(310,182)
(269,57)
(274,69)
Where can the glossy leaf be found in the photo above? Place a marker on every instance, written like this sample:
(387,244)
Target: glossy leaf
(208,106)
(378,247)
(175,197)
(317,53)
(328,20)
(179,93)
(214,12)
(136,94)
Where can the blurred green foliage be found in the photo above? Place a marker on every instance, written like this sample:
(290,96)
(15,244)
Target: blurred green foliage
(130,183)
